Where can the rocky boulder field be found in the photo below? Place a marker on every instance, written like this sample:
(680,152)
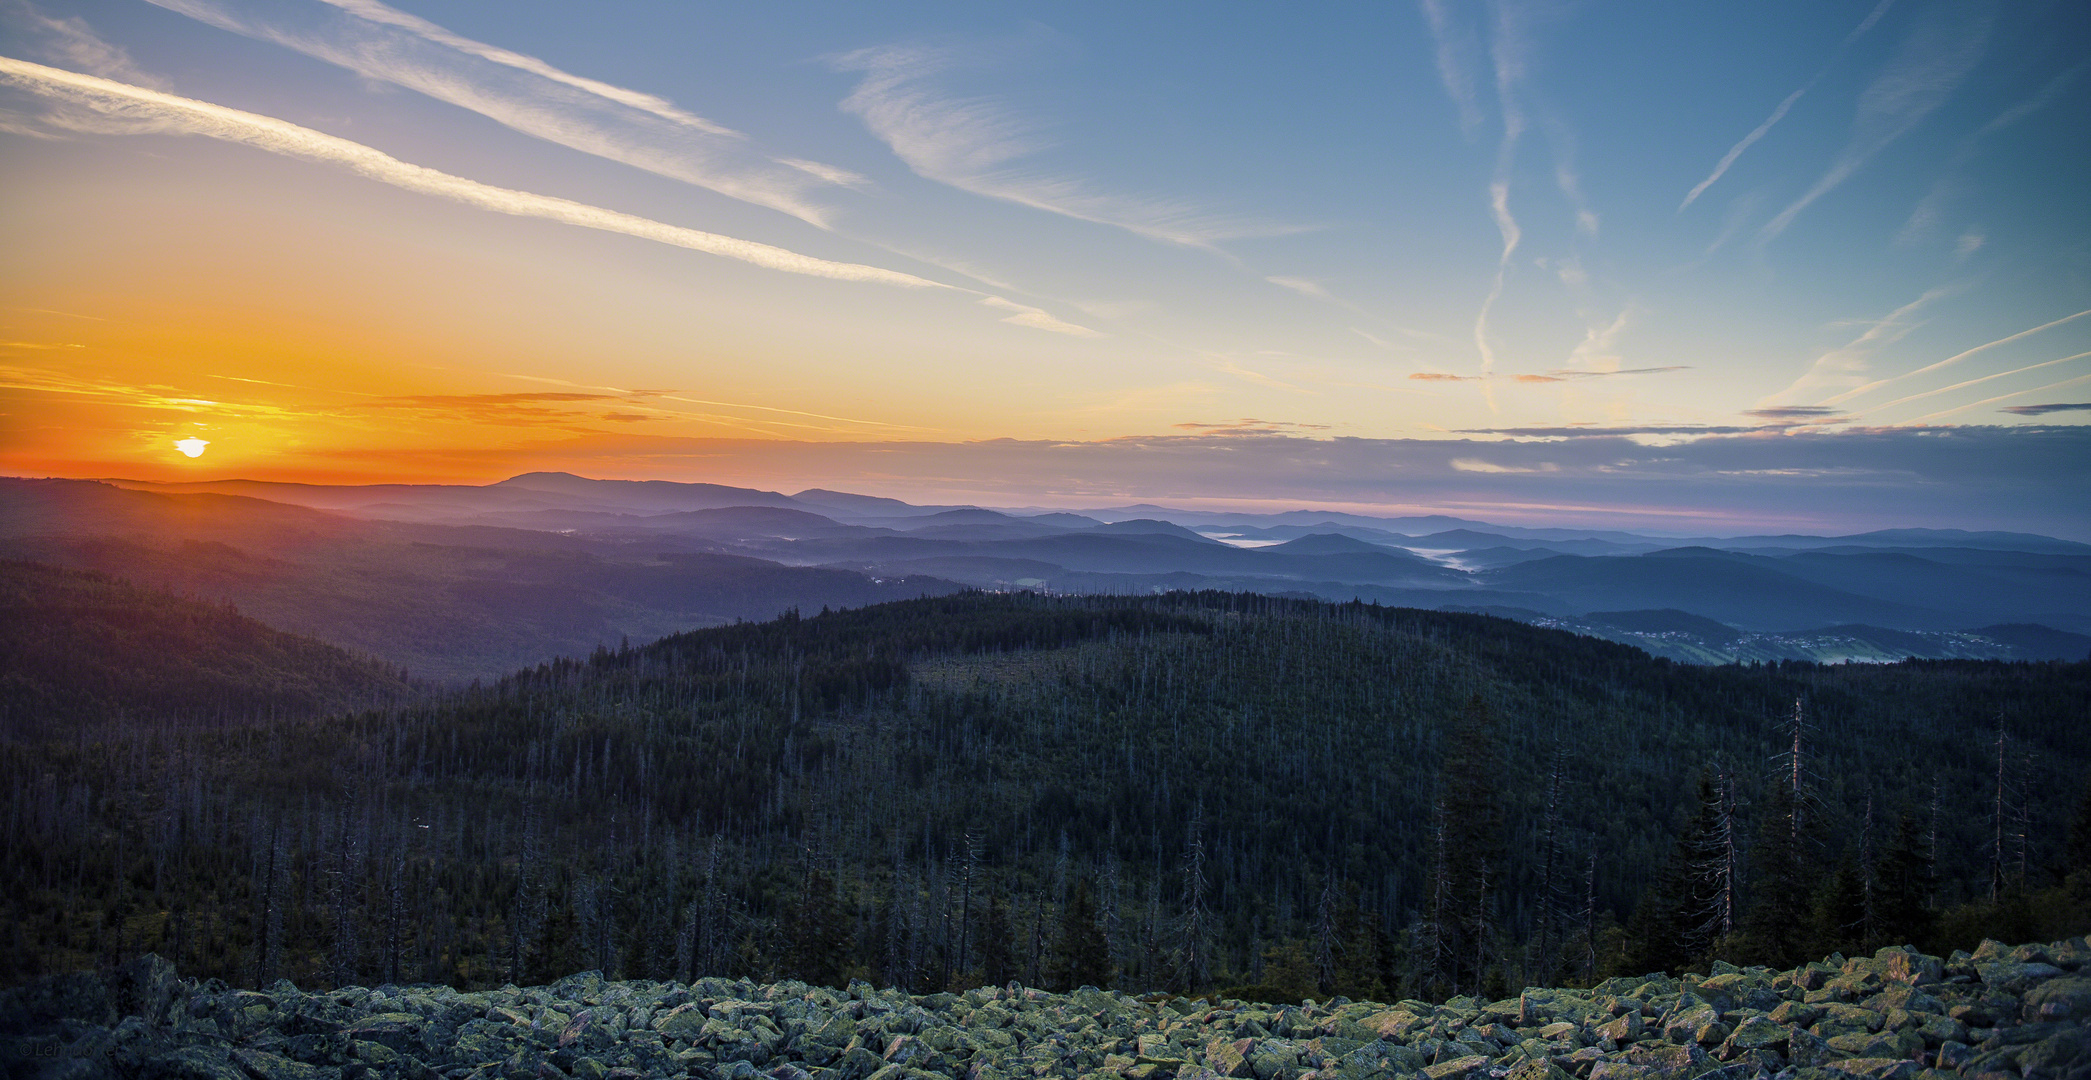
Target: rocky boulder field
(1999,1012)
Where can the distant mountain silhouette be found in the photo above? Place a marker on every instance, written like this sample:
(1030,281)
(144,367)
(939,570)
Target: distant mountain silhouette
(483,555)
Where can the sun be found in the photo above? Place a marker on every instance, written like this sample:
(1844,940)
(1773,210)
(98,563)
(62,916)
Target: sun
(191,446)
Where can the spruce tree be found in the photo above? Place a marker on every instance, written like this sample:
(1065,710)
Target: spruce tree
(1194,955)
(1470,849)
(2076,852)
(1680,918)
(1838,921)
(998,964)
(1902,900)
(1081,956)
(818,933)
(1775,930)
(1362,948)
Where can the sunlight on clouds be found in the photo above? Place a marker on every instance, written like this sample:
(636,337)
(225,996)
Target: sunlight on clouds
(1300,285)
(976,145)
(1037,318)
(528,95)
(1476,465)
(1954,359)
(169,114)
(72,41)
(1841,368)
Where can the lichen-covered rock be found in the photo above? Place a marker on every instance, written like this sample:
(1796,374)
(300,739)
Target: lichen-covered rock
(1904,964)
(1874,1069)
(1890,1015)
(1755,1033)
(1459,1068)
(2064,1053)
(1623,1029)
(1669,1061)
(2061,999)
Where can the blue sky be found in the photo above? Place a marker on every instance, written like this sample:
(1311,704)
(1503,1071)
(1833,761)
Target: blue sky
(341,239)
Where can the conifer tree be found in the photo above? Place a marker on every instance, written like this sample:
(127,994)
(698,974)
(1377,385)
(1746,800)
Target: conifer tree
(1681,916)
(818,932)
(1902,902)
(1288,972)
(1776,929)
(1776,926)
(997,943)
(1838,922)
(1542,952)
(1362,950)
(1325,940)
(1194,957)
(2076,852)
(1081,957)
(1472,819)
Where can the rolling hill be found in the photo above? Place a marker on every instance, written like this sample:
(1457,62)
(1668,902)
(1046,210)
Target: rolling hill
(1791,596)
(895,773)
(80,651)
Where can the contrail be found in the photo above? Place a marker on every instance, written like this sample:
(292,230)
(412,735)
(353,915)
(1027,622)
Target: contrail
(188,116)
(1954,359)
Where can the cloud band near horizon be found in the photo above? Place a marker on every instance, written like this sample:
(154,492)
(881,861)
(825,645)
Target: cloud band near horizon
(2025,478)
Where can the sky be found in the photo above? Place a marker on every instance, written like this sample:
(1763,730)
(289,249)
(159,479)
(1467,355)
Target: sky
(1705,267)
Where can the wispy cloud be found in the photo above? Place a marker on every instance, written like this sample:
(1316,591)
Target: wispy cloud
(1942,414)
(1954,359)
(1478,465)
(1554,376)
(1943,45)
(1458,52)
(1978,381)
(528,95)
(1300,285)
(1597,354)
(667,396)
(508,410)
(1507,54)
(1796,412)
(1779,112)
(1251,426)
(978,145)
(579,412)
(654,398)
(1506,224)
(1930,211)
(148,396)
(1841,366)
(461,400)
(571,412)
(1038,318)
(1504,32)
(1592,431)
(146,110)
(1575,374)
(382,15)
(1260,379)
(1760,131)
(2043,410)
(72,42)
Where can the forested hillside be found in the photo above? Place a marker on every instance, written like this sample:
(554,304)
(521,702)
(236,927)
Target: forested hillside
(78,649)
(1191,791)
